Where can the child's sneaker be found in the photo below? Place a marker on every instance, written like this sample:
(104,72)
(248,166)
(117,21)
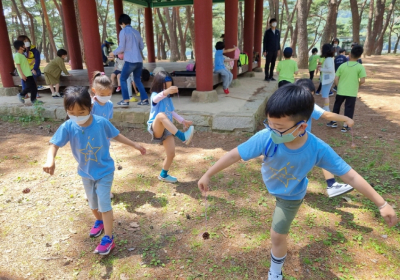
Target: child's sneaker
(56,95)
(189,135)
(137,93)
(273,276)
(331,94)
(97,229)
(332,124)
(105,246)
(317,92)
(334,88)
(345,128)
(168,179)
(226,91)
(338,189)
(122,103)
(118,89)
(133,99)
(143,103)
(21,99)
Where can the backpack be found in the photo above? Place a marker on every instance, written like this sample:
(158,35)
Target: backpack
(244,59)
(237,54)
(190,67)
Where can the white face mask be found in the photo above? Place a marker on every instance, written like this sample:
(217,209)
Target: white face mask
(103,99)
(274,24)
(335,45)
(27,44)
(79,119)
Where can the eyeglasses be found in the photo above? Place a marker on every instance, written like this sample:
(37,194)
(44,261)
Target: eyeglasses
(265,122)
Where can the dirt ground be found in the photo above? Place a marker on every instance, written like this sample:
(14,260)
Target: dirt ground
(158,226)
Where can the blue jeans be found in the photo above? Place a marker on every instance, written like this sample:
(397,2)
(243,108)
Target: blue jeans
(227,77)
(38,73)
(136,68)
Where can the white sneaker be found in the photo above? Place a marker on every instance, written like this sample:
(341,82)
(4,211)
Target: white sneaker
(273,276)
(338,189)
(189,135)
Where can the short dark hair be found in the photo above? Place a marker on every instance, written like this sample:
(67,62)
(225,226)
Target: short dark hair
(272,20)
(327,51)
(357,51)
(23,38)
(219,45)
(342,51)
(314,50)
(61,52)
(124,19)
(159,81)
(290,101)
(145,74)
(77,95)
(335,40)
(17,44)
(307,84)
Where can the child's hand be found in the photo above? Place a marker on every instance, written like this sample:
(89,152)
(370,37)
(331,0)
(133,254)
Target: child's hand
(389,215)
(23,77)
(203,184)
(49,167)
(171,90)
(187,123)
(349,122)
(140,148)
(33,72)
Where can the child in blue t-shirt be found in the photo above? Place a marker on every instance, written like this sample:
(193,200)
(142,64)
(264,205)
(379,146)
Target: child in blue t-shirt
(160,124)
(102,88)
(290,152)
(333,188)
(219,66)
(340,59)
(88,135)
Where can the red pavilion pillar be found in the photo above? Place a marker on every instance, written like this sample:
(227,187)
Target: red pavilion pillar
(118,10)
(204,55)
(258,27)
(231,29)
(91,35)
(71,29)
(6,58)
(148,19)
(249,31)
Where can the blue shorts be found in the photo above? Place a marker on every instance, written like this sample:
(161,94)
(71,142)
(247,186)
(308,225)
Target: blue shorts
(325,89)
(98,192)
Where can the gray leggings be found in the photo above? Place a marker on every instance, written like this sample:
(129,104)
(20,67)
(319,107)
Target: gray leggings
(227,77)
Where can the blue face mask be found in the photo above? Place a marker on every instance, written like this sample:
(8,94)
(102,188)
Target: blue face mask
(279,139)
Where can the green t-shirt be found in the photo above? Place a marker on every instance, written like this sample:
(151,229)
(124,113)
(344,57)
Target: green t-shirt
(349,74)
(286,69)
(23,62)
(312,62)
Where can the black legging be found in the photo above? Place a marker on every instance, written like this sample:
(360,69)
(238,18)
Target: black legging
(270,59)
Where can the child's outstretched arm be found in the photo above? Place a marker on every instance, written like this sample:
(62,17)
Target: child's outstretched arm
(337,118)
(354,179)
(122,139)
(227,160)
(50,164)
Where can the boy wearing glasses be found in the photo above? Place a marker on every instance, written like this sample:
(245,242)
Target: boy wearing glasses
(290,152)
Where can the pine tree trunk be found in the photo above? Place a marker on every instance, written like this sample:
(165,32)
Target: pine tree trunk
(289,29)
(329,29)
(397,44)
(379,41)
(369,40)
(241,26)
(190,22)
(302,34)
(356,20)
(293,39)
(65,40)
(158,41)
(164,29)
(46,18)
(44,36)
(16,10)
(78,22)
(182,39)
(163,51)
(32,23)
(174,38)
(174,26)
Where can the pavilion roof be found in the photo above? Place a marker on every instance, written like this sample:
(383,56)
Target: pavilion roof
(166,3)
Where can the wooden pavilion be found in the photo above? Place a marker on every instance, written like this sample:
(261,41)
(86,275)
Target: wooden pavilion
(205,78)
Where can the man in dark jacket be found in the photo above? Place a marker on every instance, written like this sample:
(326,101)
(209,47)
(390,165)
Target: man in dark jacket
(271,48)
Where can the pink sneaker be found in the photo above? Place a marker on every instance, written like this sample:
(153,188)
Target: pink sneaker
(118,89)
(105,246)
(97,229)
